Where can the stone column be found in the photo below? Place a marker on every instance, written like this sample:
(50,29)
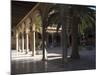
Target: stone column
(27,43)
(19,45)
(27,29)
(17,42)
(32,38)
(22,42)
(33,44)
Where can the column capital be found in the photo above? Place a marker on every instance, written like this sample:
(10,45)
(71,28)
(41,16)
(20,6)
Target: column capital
(28,21)
(27,30)
(16,35)
(33,27)
(22,27)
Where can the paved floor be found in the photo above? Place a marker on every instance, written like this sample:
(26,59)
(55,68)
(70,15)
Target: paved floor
(24,64)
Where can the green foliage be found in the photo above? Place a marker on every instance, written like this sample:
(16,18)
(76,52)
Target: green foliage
(38,23)
(87,21)
(85,13)
(38,29)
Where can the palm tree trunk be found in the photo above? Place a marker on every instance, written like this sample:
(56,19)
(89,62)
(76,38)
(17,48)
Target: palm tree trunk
(64,33)
(75,50)
(64,42)
(44,41)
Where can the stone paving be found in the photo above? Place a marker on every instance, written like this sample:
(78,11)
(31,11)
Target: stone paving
(26,64)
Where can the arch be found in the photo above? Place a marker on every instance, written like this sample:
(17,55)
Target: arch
(54,16)
(22,27)
(35,14)
(28,21)
(56,7)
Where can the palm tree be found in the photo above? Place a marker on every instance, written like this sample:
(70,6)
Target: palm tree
(75,22)
(80,15)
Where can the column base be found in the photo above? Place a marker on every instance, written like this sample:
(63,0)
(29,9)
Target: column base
(33,54)
(19,50)
(26,52)
(44,59)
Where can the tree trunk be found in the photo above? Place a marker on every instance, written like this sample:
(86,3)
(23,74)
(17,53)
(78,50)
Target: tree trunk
(75,50)
(64,42)
(64,33)
(44,41)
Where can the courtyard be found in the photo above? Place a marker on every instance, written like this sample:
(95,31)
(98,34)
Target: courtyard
(49,37)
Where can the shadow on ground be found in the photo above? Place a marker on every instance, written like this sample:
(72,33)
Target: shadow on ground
(87,61)
(26,67)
